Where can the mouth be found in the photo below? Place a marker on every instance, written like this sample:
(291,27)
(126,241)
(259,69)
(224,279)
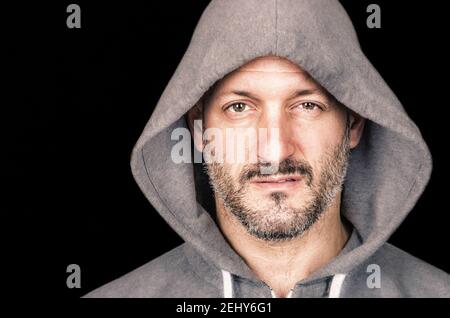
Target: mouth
(277,182)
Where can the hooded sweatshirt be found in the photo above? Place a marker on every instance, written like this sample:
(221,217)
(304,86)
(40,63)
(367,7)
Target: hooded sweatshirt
(387,171)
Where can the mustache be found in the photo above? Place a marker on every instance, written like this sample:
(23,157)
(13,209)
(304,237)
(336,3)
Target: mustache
(286,167)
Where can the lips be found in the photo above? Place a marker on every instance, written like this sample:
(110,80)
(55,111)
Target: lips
(277,183)
(276,180)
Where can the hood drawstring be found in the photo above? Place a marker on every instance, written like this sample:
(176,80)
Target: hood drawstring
(227,284)
(336,285)
(335,288)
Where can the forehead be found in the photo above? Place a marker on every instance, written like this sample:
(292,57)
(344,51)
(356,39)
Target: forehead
(268,77)
(271,64)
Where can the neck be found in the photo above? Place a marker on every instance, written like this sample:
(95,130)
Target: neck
(282,264)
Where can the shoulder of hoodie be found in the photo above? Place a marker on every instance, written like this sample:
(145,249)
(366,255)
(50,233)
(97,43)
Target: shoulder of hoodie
(404,275)
(169,275)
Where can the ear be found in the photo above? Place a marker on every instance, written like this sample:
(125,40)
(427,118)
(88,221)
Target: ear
(356,128)
(193,116)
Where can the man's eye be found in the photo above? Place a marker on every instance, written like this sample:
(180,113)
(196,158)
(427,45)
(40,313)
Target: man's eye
(237,107)
(309,106)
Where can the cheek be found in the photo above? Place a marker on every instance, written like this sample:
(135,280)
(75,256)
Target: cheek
(235,170)
(233,173)
(314,141)
(235,146)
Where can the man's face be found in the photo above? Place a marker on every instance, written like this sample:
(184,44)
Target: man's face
(306,140)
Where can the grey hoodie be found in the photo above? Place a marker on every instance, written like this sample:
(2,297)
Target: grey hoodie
(387,173)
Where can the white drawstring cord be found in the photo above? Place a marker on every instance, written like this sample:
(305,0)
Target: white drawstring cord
(336,285)
(227,284)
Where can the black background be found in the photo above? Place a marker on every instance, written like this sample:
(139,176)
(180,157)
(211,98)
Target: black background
(76,100)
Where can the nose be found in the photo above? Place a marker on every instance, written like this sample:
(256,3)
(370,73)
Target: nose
(275,142)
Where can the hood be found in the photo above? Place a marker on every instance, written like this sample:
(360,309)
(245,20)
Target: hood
(387,172)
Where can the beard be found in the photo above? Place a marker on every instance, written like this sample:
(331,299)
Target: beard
(274,217)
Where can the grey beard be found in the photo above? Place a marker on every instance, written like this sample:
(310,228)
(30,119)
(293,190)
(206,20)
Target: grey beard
(257,222)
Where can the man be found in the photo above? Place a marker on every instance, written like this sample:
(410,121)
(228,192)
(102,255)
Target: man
(331,164)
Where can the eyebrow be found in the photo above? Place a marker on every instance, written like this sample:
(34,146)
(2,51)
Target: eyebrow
(298,93)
